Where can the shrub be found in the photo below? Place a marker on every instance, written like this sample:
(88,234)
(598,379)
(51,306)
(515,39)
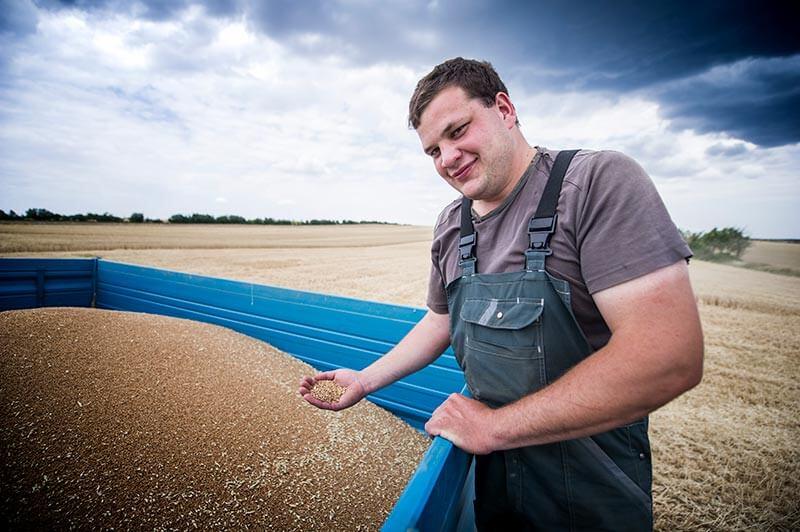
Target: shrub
(723,244)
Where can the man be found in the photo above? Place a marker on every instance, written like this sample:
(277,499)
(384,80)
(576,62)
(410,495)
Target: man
(566,286)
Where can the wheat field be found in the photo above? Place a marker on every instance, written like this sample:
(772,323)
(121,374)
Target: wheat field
(725,454)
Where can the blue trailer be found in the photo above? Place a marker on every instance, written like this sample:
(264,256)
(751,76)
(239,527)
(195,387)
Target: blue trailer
(325,331)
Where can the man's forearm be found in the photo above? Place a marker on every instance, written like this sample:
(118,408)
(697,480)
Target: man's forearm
(421,346)
(655,354)
(602,392)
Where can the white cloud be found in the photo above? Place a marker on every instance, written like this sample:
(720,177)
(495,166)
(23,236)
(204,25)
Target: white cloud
(250,123)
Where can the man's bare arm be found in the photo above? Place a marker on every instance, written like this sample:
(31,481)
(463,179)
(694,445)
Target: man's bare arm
(655,354)
(421,346)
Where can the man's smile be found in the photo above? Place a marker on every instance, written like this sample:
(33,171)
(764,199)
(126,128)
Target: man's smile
(462,172)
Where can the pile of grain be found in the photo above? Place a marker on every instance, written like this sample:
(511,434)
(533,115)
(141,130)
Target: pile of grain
(123,420)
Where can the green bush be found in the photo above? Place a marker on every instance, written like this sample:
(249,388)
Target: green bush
(723,244)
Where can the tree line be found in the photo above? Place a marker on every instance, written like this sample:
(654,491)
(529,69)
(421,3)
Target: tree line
(44,215)
(723,244)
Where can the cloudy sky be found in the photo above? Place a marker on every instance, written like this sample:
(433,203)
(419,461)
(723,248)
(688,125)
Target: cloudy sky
(297,109)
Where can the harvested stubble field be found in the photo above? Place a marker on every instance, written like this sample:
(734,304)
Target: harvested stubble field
(725,454)
(777,254)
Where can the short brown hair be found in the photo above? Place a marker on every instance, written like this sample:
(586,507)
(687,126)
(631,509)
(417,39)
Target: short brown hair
(477,78)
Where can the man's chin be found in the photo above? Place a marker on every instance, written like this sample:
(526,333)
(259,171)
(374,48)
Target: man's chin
(475,194)
(470,189)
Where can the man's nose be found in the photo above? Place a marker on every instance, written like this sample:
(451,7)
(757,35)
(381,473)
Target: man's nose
(450,156)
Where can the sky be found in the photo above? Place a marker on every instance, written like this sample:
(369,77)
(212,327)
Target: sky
(298,109)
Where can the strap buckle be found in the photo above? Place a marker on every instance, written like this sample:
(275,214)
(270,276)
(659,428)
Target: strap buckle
(467,260)
(539,231)
(465,246)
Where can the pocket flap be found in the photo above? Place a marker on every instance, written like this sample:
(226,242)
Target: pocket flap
(502,313)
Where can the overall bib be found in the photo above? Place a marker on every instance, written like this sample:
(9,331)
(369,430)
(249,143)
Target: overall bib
(513,334)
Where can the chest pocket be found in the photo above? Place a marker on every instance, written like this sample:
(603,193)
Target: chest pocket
(504,322)
(502,348)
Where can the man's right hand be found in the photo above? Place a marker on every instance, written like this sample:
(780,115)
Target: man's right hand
(346,378)
(417,349)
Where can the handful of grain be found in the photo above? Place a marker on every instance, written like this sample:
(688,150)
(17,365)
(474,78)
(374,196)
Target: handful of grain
(327,391)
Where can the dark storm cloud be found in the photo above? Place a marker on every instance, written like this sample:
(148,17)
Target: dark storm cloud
(665,50)
(754,99)
(621,44)
(363,32)
(632,44)
(658,48)
(149,9)
(17,18)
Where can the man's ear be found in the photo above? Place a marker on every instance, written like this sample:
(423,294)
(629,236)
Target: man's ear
(506,109)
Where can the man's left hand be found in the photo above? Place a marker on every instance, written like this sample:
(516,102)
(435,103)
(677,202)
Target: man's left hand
(465,422)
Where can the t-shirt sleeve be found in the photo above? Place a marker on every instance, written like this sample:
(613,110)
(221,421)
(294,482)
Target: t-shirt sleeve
(623,230)
(437,298)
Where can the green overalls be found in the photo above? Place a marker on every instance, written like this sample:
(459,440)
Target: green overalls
(514,333)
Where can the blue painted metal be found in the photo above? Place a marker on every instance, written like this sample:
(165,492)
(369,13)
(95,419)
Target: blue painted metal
(325,331)
(29,283)
(439,495)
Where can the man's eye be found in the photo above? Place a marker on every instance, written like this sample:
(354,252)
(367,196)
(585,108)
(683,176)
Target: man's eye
(434,153)
(457,132)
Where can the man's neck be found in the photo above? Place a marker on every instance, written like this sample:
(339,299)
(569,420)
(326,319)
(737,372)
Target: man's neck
(521,164)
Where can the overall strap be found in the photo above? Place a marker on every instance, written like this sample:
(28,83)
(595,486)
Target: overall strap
(469,238)
(543,224)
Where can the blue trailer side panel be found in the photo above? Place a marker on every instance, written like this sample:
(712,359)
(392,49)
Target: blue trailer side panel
(439,495)
(30,283)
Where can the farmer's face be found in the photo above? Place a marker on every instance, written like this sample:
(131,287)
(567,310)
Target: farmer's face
(470,144)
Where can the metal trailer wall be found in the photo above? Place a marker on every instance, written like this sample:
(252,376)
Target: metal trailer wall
(30,283)
(324,331)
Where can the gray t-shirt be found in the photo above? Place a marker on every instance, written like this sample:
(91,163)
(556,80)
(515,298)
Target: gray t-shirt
(612,227)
